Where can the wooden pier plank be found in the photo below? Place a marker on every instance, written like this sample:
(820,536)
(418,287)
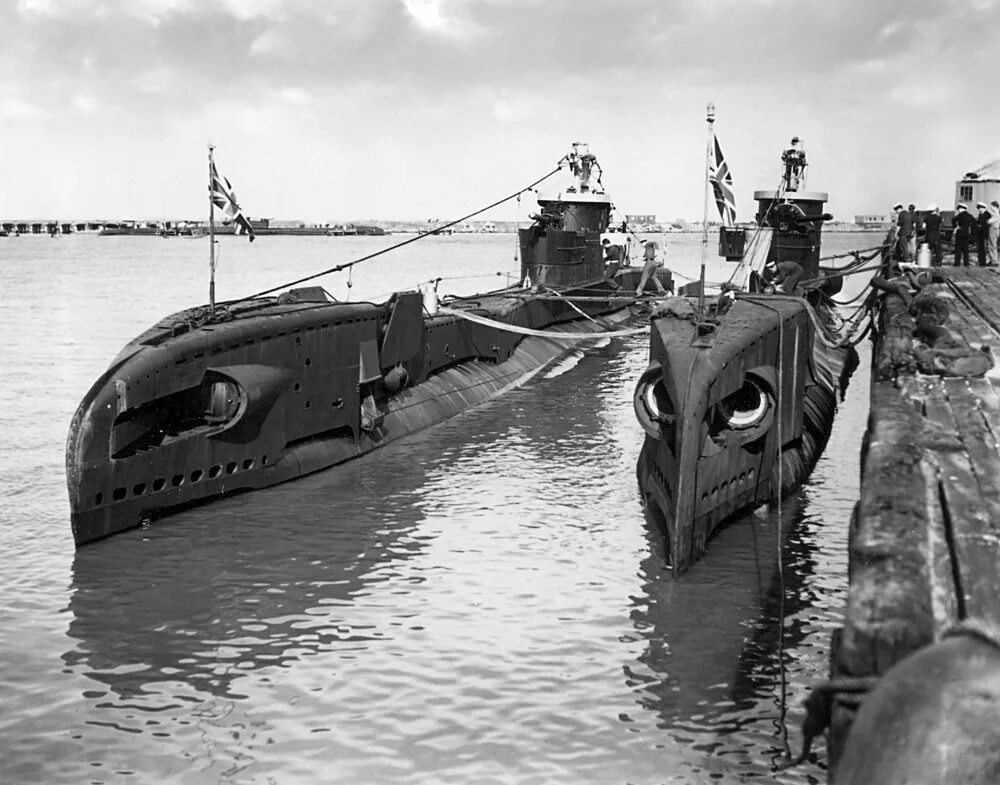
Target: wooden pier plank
(968,480)
(893,578)
(982,289)
(925,540)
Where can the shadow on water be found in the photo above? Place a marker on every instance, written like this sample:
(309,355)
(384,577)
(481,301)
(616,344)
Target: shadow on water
(714,642)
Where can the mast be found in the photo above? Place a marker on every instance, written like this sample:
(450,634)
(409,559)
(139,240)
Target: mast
(704,221)
(211,233)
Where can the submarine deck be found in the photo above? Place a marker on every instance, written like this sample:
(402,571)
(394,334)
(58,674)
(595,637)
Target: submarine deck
(924,547)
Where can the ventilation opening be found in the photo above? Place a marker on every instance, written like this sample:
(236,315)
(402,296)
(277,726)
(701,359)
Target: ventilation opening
(214,402)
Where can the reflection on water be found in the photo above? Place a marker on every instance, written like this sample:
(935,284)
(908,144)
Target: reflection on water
(713,639)
(232,588)
(438,609)
(482,602)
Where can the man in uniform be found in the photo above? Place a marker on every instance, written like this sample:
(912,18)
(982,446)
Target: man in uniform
(993,240)
(982,232)
(904,226)
(964,225)
(911,247)
(932,233)
(649,268)
(612,253)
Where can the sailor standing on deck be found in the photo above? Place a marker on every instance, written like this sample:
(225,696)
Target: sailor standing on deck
(612,253)
(932,233)
(964,225)
(993,247)
(904,224)
(649,268)
(982,232)
(912,245)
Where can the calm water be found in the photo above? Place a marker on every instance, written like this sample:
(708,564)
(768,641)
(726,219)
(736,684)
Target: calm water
(483,602)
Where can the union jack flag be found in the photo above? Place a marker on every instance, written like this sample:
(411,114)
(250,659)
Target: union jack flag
(722,183)
(223,197)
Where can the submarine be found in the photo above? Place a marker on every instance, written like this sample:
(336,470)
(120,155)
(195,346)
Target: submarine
(740,393)
(249,393)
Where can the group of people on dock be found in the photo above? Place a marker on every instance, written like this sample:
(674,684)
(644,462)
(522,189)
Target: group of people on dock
(984,229)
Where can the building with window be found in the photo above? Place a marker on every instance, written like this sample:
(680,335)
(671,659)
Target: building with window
(641,219)
(979,186)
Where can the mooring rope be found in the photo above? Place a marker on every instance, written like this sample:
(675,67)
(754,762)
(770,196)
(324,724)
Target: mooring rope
(436,230)
(513,328)
(819,702)
(572,305)
(783,706)
(832,338)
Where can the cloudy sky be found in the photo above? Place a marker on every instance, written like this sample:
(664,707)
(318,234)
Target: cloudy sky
(410,109)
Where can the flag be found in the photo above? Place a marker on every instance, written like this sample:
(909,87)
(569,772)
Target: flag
(223,197)
(722,183)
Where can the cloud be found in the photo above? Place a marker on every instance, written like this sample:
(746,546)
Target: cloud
(153,80)
(927,94)
(268,43)
(85,102)
(294,95)
(431,16)
(361,83)
(18,107)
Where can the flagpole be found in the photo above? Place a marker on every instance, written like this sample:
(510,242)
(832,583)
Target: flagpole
(211,234)
(704,221)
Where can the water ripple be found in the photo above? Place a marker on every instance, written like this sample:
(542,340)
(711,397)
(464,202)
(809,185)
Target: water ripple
(483,602)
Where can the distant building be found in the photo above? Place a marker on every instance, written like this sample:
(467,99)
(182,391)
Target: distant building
(872,221)
(974,187)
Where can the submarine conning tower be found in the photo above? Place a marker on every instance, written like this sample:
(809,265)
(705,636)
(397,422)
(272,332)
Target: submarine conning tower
(795,215)
(562,247)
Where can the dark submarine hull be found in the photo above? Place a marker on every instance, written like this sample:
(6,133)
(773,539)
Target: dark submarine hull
(195,409)
(734,418)
(210,402)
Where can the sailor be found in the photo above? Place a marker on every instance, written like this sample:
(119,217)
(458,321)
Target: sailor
(914,220)
(993,234)
(904,224)
(964,224)
(982,232)
(786,275)
(994,238)
(932,233)
(612,253)
(650,263)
